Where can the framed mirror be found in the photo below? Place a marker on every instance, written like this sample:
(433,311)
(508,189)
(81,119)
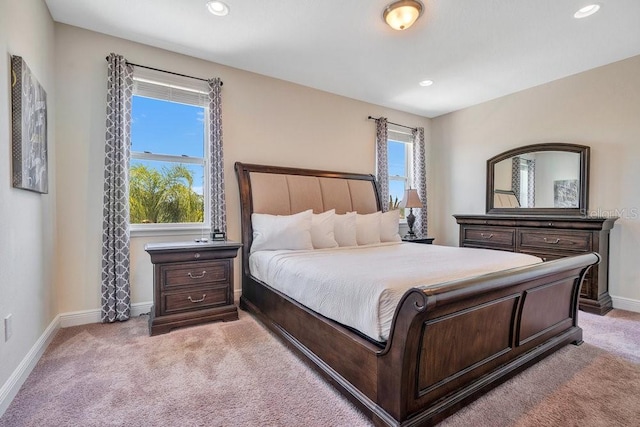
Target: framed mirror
(542,179)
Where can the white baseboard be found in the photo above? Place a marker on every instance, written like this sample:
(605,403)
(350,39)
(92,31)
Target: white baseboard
(64,320)
(626,304)
(77,318)
(21,373)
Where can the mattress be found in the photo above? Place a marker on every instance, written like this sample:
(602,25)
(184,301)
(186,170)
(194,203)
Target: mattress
(361,286)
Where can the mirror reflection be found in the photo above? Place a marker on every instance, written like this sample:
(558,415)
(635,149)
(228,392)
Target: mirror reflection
(543,179)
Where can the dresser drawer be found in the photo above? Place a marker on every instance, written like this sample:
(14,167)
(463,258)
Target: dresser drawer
(196,273)
(576,241)
(489,236)
(196,299)
(544,256)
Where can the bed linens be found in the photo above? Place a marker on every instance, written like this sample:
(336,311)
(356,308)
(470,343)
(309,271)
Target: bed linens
(361,286)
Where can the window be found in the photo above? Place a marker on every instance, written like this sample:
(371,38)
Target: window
(400,158)
(169,153)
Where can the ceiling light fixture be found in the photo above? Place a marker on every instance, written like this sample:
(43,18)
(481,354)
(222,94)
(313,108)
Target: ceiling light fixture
(426,83)
(400,15)
(586,11)
(218,8)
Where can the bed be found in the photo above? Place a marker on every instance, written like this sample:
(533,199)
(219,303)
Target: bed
(447,343)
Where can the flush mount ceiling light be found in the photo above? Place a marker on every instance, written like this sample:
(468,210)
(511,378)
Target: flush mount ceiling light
(400,15)
(586,11)
(426,83)
(218,8)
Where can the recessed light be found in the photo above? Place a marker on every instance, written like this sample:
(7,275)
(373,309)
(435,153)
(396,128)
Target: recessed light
(218,8)
(586,11)
(426,83)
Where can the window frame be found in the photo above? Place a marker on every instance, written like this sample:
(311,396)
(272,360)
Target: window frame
(176,228)
(405,138)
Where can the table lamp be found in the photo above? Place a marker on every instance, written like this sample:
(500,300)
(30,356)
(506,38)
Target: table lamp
(411,200)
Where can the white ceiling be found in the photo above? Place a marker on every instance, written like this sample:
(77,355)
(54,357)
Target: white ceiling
(473,50)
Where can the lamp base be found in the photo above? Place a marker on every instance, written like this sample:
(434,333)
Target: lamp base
(411,219)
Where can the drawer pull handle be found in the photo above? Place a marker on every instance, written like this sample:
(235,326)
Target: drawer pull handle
(197,277)
(197,300)
(555,242)
(484,236)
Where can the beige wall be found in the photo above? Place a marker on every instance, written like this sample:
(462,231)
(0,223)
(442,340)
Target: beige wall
(264,121)
(27,219)
(599,108)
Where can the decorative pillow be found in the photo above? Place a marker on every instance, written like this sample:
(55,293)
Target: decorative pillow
(344,229)
(322,235)
(390,226)
(368,228)
(273,232)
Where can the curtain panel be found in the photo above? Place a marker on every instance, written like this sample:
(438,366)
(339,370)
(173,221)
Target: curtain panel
(382,162)
(420,180)
(528,199)
(116,299)
(216,175)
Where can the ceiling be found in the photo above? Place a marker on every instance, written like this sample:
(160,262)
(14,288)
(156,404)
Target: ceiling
(473,50)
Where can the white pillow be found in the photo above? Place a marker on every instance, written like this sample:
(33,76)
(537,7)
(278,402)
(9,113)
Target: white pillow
(368,228)
(322,235)
(390,226)
(344,229)
(273,232)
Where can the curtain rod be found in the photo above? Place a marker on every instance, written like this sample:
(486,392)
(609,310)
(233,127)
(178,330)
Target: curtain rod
(391,123)
(165,71)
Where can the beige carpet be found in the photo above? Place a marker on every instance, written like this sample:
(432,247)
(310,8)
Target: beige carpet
(238,374)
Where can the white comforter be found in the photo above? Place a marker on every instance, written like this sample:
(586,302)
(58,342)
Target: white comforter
(361,286)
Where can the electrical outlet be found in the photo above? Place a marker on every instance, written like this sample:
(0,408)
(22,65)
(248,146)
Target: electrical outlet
(8,327)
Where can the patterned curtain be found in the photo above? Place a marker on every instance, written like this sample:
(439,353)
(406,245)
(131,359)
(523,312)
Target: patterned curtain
(420,180)
(528,199)
(382,162)
(218,204)
(531,173)
(116,303)
(515,179)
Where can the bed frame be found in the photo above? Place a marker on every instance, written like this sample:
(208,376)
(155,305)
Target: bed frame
(448,344)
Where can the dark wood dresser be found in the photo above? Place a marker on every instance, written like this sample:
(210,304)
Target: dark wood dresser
(192,284)
(548,237)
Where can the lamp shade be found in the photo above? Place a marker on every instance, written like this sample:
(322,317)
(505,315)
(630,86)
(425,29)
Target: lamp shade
(400,15)
(411,199)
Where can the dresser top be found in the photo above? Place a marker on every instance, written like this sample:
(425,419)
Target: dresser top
(599,222)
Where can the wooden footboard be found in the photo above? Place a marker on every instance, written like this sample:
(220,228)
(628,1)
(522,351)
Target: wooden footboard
(448,344)
(456,341)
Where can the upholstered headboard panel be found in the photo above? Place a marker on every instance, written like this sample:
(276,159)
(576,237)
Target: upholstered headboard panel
(284,191)
(280,194)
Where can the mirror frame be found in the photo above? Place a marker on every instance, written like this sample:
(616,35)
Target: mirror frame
(583,193)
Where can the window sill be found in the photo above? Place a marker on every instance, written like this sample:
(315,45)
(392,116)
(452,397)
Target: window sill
(153,230)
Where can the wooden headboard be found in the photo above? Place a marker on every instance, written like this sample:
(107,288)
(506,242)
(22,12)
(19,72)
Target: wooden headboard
(285,191)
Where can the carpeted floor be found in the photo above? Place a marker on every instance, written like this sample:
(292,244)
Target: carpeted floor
(238,374)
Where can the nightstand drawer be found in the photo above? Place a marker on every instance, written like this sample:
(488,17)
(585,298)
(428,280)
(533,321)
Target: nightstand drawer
(489,236)
(189,274)
(196,299)
(573,241)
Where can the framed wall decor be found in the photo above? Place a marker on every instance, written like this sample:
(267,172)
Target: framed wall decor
(565,193)
(29,129)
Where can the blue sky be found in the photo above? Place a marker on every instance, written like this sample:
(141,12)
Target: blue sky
(396,167)
(163,127)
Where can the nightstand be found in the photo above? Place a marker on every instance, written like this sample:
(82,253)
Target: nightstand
(423,240)
(192,284)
